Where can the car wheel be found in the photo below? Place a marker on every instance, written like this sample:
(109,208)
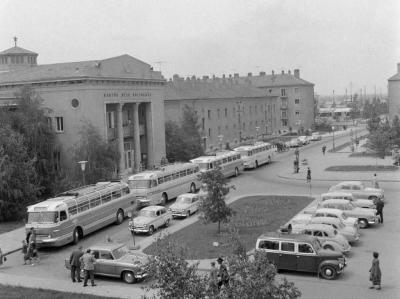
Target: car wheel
(363,223)
(164,199)
(193,188)
(75,236)
(236,172)
(151,230)
(120,217)
(256,164)
(328,272)
(128,277)
(167,223)
(187,214)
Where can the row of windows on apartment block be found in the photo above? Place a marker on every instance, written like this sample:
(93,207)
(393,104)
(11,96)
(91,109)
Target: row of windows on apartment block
(250,127)
(283,91)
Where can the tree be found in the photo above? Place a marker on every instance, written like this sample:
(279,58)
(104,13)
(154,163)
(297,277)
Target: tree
(102,157)
(213,207)
(379,141)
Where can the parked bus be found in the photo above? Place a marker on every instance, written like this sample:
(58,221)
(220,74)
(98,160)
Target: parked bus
(257,154)
(73,214)
(155,187)
(229,162)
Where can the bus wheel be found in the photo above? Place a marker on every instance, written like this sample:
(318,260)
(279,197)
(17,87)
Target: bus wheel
(236,172)
(120,216)
(164,199)
(192,188)
(75,236)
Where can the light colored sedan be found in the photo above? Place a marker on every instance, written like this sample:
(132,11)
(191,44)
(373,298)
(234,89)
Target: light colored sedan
(365,216)
(185,205)
(327,235)
(360,202)
(358,189)
(350,233)
(336,213)
(149,219)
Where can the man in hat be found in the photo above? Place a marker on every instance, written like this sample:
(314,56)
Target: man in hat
(74,261)
(222,274)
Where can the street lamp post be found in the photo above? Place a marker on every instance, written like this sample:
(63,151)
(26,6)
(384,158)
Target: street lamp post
(83,166)
(333,137)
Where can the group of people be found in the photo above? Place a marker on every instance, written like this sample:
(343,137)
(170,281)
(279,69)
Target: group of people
(29,249)
(219,277)
(80,260)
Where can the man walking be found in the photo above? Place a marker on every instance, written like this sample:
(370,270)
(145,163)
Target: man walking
(88,261)
(323,149)
(222,274)
(74,261)
(379,209)
(308,175)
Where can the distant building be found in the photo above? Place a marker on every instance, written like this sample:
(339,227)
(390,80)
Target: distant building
(394,94)
(121,96)
(229,112)
(296,96)
(337,113)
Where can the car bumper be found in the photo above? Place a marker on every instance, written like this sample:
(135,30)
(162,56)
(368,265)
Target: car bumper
(141,275)
(49,242)
(373,221)
(141,230)
(179,214)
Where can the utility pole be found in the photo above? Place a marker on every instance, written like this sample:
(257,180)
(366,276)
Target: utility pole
(351,91)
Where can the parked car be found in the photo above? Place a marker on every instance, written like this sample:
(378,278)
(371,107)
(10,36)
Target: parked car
(301,253)
(365,216)
(293,143)
(315,136)
(336,213)
(304,139)
(327,235)
(149,219)
(116,260)
(350,233)
(358,190)
(298,222)
(361,203)
(185,205)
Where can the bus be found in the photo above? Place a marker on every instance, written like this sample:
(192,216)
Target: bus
(229,163)
(70,216)
(156,187)
(257,154)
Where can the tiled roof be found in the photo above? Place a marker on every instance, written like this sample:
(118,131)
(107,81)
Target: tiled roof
(273,80)
(395,77)
(123,66)
(17,50)
(180,89)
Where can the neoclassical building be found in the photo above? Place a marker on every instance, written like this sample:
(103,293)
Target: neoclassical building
(394,94)
(121,96)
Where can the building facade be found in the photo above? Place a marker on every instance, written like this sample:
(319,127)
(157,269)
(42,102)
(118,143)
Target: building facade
(394,94)
(122,97)
(229,113)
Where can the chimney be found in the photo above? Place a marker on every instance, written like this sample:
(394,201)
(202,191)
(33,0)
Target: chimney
(283,72)
(273,73)
(297,73)
(262,73)
(398,67)
(236,75)
(249,74)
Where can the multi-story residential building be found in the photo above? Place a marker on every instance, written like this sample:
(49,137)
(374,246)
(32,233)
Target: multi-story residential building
(120,96)
(228,112)
(394,94)
(297,103)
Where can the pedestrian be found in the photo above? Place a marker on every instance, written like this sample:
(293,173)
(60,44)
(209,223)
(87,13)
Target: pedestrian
(375,272)
(31,236)
(74,261)
(25,252)
(375,183)
(33,253)
(379,209)
(323,149)
(308,175)
(88,261)
(213,283)
(223,276)
(297,153)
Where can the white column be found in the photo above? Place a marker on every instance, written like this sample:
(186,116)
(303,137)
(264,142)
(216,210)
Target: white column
(120,139)
(149,136)
(136,137)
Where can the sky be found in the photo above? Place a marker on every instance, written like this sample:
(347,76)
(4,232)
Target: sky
(336,44)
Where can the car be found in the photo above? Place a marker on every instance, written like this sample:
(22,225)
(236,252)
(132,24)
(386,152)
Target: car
(350,233)
(329,237)
(304,139)
(301,253)
(336,213)
(358,190)
(360,202)
(293,143)
(185,205)
(365,216)
(315,136)
(149,219)
(116,260)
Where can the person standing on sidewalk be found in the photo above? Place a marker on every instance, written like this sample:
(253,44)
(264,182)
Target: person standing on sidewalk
(375,183)
(379,209)
(324,150)
(308,175)
(213,283)
(74,261)
(88,261)
(375,273)
(26,256)
(223,274)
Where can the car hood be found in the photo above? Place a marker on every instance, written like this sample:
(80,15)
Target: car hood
(179,206)
(375,190)
(142,220)
(362,211)
(364,203)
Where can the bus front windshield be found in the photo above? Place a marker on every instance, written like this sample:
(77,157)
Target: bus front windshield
(204,166)
(139,184)
(245,153)
(43,217)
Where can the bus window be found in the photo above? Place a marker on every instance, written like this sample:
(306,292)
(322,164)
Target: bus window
(160,180)
(106,198)
(189,171)
(116,194)
(42,217)
(167,178)
(95,202)
(139,184)
(72,210)
(175,176)
(229,159)
(182,173)
(125,191)
(224,160)
(153,183)
(83,206)
(63,215)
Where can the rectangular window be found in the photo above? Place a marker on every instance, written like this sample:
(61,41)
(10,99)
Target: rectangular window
(219,130)
(95,202)
(175,176)
(60,124)
(226,112)
(72,210)
(106,198)
(116,194)
(209,132)
(297,101)
(160,180)
(287,246)
(190,171)
(83,206)
(305,248)
(218,113)
(167,178)
(209,114)
(182,173)
(283,92)
(203,123)
(110,120)
(271,245)
(297,113)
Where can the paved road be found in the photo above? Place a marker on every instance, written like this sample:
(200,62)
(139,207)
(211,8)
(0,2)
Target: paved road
(352,284)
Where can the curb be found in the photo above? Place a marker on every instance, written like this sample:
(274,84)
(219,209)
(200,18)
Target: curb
(333,180)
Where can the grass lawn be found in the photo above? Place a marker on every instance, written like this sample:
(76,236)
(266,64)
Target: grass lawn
(362,168)
(11,292)
(255,215)
(9,226)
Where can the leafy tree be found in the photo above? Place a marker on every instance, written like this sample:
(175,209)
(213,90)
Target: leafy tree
(213,207)
(379,141)
(102,157)
(183,142)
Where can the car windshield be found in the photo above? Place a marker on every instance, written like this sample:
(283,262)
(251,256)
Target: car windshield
(183,199)
(43,217)
(120,252)
(147,213)
(139,184)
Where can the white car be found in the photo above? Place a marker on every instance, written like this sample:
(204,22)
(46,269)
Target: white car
(149,219)
(358,190)
(185,205)
(361,202)
(315,136)
(350,233)
(293,143)
(304,139)
(336,213)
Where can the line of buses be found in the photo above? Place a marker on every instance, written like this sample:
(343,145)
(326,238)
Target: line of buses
(70,216)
